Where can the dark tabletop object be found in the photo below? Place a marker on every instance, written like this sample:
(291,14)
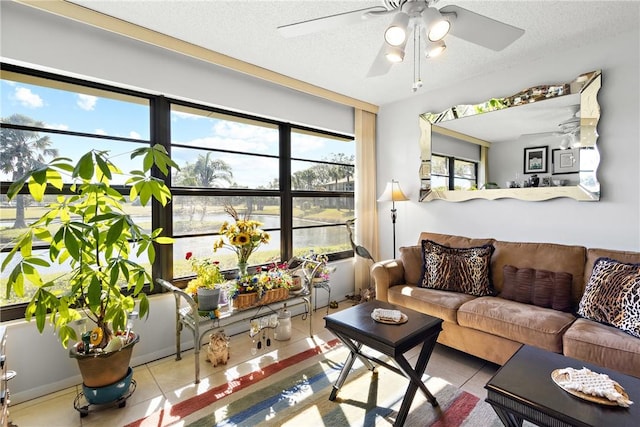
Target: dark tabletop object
(523,389)
(356,328)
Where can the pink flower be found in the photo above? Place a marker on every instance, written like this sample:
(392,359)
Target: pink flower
(189,255)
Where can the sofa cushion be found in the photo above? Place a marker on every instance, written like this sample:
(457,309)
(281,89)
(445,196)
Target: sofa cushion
(429,301)
(543,256)
(603,345)
(595,253)
(538,287)
(454,241)
(411,257)
(528,324)
(463,270)
(612,295)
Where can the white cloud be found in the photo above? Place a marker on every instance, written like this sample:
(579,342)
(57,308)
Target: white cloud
(58,126)
(229,144)
(134,134)
(27,98)
(101,132)
(86,102)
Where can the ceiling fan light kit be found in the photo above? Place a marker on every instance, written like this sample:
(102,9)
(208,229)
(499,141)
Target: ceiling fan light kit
(430,24)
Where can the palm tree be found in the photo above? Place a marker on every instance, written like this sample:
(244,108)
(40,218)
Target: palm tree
(22,151)
(205,172)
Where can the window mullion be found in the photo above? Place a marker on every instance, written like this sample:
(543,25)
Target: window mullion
(162,216)
(286,201)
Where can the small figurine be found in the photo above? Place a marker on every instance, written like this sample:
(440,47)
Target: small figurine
(218,348)
(535,180)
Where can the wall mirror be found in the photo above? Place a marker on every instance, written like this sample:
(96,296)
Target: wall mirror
(538,144)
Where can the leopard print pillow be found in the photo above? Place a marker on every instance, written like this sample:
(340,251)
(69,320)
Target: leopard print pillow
(463,270)
(612,295)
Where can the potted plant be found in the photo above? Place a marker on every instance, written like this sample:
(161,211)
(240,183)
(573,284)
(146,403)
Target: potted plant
(317,268)
(207,285)
(97,243)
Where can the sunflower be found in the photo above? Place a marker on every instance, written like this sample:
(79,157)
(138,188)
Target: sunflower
(241,239)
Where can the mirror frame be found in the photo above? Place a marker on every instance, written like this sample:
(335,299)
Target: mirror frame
(587,85)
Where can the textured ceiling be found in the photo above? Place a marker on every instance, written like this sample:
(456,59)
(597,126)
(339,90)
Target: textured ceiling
(339,59)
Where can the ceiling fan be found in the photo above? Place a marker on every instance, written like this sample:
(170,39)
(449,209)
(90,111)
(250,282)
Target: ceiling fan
(429,24)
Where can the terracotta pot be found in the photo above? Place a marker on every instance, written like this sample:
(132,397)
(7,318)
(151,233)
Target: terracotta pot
(99,370)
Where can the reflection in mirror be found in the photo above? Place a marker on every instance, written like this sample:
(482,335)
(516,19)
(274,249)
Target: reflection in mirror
(538,144)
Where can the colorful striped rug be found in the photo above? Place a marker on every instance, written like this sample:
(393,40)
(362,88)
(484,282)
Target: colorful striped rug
(295,392)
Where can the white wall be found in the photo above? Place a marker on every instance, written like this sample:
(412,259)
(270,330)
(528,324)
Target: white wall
(44,41)
(613,222)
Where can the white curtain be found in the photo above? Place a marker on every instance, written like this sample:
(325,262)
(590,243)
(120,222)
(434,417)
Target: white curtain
(366,225)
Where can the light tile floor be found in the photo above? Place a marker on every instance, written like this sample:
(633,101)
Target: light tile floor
(170,381)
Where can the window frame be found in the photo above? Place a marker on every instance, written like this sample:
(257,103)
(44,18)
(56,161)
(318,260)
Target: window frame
(160,132)
(451,175)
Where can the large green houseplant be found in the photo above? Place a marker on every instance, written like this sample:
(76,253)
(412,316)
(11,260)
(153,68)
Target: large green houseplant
(91,235)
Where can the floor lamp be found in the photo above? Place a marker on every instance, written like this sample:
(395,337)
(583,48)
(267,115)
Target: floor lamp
(393,193)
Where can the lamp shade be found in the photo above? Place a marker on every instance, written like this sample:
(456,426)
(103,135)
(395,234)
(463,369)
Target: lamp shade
(394,54)
(436,26)
(396,33)
(392,193)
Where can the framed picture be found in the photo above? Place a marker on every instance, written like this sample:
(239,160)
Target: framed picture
(565,161)
(535,159)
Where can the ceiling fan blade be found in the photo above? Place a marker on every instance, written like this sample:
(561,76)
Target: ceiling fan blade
(480,29)
(381,65)
(329,22)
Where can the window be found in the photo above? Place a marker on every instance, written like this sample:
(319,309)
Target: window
(44,118)
(297,181)
(464,176)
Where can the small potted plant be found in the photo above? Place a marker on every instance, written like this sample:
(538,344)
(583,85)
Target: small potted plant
(97,243)
(207,285)
(317,268)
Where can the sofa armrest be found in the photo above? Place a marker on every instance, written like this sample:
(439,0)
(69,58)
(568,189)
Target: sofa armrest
(386,274)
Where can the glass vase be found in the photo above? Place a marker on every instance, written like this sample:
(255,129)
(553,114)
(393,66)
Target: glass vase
(242,269)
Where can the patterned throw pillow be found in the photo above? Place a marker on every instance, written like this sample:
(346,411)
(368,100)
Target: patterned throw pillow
(463,270)
(612,295)
(538,287)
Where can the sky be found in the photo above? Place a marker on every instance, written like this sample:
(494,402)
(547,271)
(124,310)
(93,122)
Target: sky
(82,112)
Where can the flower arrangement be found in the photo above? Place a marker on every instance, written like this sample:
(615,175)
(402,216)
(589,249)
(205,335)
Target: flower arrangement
(243,237)
(273,277)
(323,271)
(207,271)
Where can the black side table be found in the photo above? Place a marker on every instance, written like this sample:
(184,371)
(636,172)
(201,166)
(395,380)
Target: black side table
(522,389)
(355,328)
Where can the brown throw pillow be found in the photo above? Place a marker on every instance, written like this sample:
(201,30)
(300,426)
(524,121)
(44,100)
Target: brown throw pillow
(463,270)
(538,287)
(612,295)
(411,257)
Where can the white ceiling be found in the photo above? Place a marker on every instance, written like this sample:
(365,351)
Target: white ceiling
(339,60)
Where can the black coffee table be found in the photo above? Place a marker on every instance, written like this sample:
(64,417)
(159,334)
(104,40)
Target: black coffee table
(522,389)
(355,328)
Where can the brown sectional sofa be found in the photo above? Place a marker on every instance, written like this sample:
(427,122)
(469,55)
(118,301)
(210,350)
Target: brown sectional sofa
(493,328)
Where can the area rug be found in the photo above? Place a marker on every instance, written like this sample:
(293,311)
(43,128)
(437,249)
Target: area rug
(295,392)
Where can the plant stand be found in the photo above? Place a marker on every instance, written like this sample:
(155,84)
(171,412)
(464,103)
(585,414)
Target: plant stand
(82,405)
